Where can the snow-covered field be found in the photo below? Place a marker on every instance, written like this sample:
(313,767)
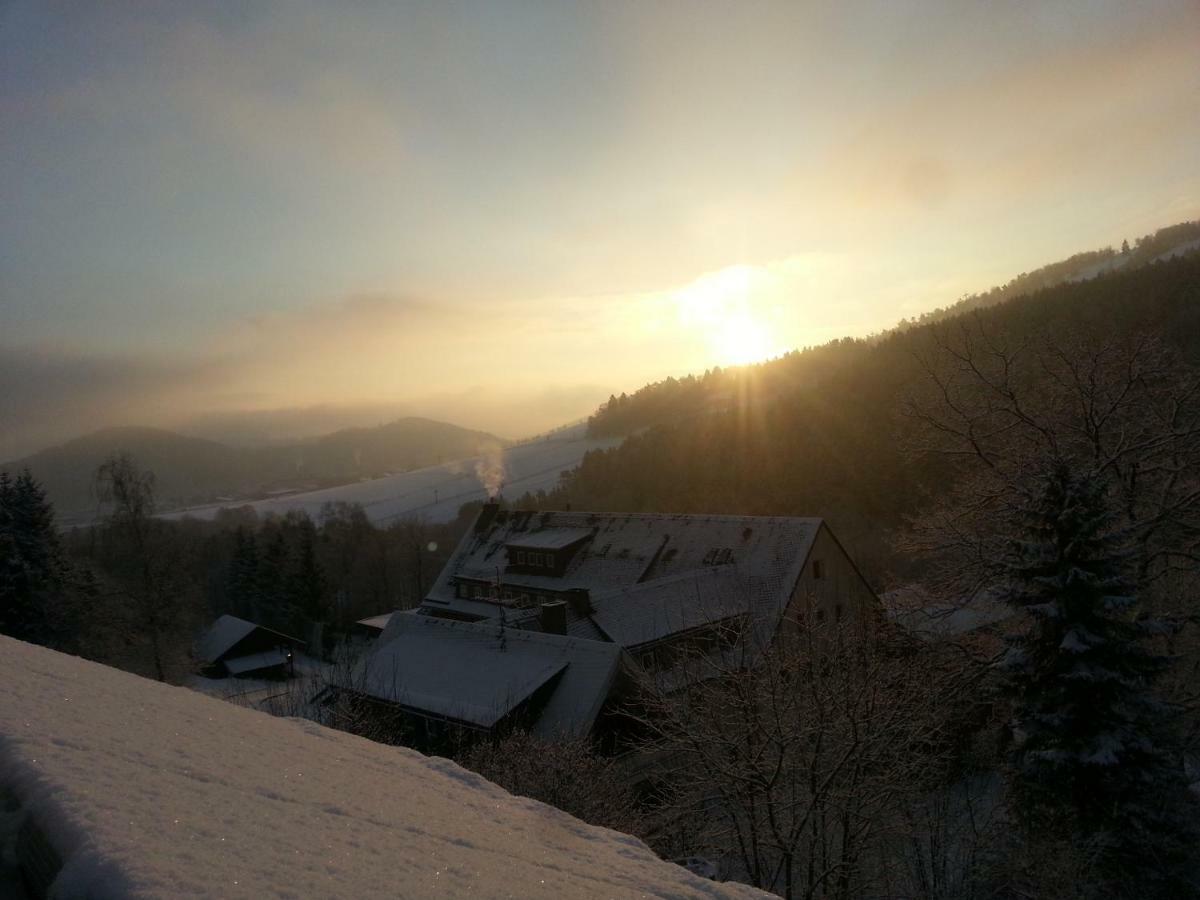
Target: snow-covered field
(435,493)
(146,790)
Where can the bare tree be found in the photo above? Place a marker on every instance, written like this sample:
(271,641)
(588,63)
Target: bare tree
(153,602)
(795,762)
(1123,411)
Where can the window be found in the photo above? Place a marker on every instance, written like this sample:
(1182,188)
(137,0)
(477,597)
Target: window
(820,616)
(837,613)
(818,570)
(520,557)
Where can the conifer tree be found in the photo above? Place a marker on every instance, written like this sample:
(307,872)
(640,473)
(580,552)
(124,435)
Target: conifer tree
(276,607)
(244,585)
(32,566)
(1092,762)
(306,586)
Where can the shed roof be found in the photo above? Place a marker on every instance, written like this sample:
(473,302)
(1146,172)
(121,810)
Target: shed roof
(226,632)
(222,636)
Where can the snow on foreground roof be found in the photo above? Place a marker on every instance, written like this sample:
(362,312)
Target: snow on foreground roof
(147,790)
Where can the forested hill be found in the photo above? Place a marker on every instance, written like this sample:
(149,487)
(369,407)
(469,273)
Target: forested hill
(821,432)
(192,470)
(675,399)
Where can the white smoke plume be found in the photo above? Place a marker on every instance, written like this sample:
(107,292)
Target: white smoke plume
(489,469)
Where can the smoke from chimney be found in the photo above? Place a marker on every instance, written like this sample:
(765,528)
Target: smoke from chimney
(489,469)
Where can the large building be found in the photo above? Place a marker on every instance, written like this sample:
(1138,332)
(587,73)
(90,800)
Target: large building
(543,618)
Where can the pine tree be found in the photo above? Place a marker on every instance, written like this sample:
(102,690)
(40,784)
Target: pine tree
(276,607)
(306,586)
(1090,761)
(244,584)
(32,566)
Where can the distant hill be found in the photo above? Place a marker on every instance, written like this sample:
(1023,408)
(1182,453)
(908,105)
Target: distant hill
(819,432)
(676,399)
(191,470)
(1165,243)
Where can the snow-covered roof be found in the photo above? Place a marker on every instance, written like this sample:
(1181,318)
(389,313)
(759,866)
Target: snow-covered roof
(551,538)
(647,576)
(255,661)
(464,671)
(222,636)
(146,790)
(225,634)
(377,622)
(650,612)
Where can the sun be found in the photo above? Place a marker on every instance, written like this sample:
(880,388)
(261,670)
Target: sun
(740,340)
(720,308)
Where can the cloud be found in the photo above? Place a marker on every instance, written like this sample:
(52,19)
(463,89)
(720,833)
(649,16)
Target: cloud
(357,361)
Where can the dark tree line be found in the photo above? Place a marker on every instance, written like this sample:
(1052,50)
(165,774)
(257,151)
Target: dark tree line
(40,590)
(135,590)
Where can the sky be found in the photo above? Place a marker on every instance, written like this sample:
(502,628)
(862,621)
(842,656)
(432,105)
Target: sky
(499,213)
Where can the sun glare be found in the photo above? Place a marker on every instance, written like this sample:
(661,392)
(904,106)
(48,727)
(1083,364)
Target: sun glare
(741,340)
(720,307)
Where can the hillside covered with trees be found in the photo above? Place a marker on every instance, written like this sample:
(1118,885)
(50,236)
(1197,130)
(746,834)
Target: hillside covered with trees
(828,430)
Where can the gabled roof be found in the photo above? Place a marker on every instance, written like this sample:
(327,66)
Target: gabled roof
(465,671)
(647,576)
(225,634)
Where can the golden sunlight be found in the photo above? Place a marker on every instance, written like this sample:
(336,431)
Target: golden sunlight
(741,340)
(720,307)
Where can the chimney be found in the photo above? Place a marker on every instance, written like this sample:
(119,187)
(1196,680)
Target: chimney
(552,615)
(580,600)
(486,516)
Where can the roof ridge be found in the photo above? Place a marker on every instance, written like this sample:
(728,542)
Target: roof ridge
(705,517)
(568,642)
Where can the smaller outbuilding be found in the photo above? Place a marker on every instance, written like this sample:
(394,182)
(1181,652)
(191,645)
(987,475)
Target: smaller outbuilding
(233,646)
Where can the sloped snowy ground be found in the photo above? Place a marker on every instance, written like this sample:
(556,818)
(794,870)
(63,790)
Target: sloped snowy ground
(436,493)
(147,790)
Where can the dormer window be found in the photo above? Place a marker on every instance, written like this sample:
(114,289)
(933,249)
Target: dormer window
(549,548)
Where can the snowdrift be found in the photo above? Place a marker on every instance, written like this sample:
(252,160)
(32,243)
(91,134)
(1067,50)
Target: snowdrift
(147,790)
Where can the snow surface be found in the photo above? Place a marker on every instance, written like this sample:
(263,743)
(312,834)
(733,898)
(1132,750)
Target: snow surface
(147,790)
(435,493)
(474,672)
